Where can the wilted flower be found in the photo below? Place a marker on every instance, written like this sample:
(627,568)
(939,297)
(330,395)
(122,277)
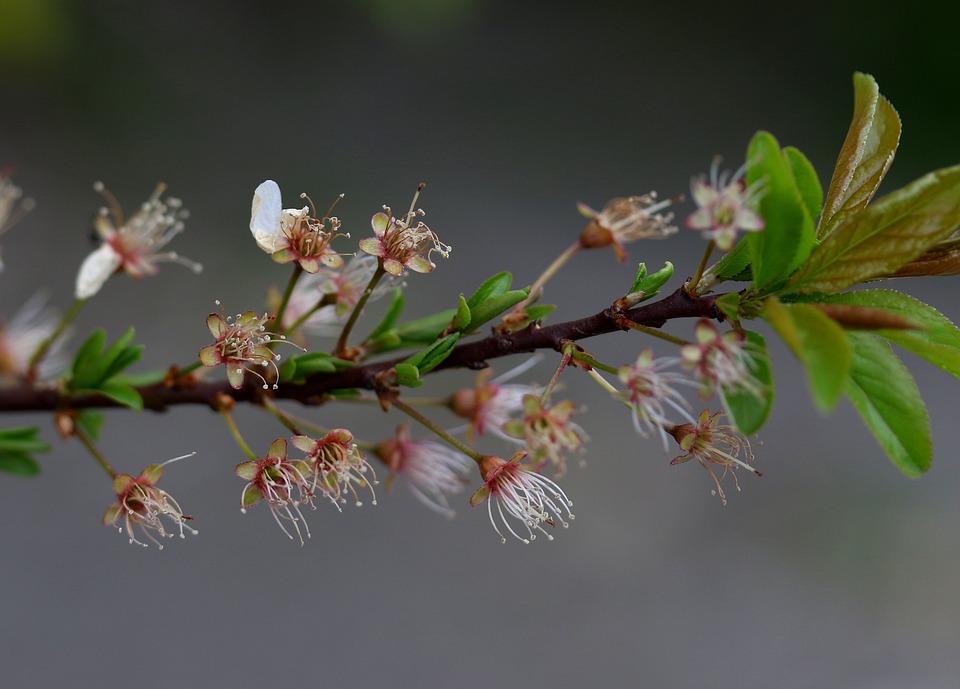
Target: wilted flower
(649,388)
(10,210)
(492,403)
(517,491)
(288,234)
(132,246)
(713,444)
(725,204)
(20,338)
(624,220)
(241,341)
(142,504)
(283,484)
(724,360)
(431,469)
(398,241)
(337,466)
(547,432)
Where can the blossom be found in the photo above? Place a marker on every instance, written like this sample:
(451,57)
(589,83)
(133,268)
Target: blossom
(548,432)
(142,504)
(432,470)
(398,242)
(713,444)
(491,403)
(624,220)
(513,490)
(337,466)
(283,484)
(289,234)
(725,360)
(241,341)
(725,204)
(132,246)
(20,338)
(649,389)
(11,207)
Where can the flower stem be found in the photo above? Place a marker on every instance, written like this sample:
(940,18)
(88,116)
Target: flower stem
(341,349)
(46,344)
(654,332)
(87,442)
(564,360)
(278,320)
(280,415)
(692,289)
(420,418)
(325,300)
(551,270)
(235,432)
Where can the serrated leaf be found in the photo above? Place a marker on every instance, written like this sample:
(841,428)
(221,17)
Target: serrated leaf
(936,339)
(805,176)
(734,263)
(19,464)
(390,317)
(787,235)
(749,411)
(891,232)
(865,156)
(886,396)
(819,343)
(492,287)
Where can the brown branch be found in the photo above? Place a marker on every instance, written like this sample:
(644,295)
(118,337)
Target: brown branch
(473,355)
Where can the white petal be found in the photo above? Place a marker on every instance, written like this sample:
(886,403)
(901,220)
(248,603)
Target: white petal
(265,217)
(95,270)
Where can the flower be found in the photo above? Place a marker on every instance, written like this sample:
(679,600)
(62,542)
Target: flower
(20,338)
(649,388)
(242,340)
(624,220)
(547,432)
(518,491)
(724,205)
(398,241)
(10,210)
(132,246)
(290,234)
(432,470)
(142,504)
(284,485)
(725,360)
(711,443)
(489,405)
(337,466)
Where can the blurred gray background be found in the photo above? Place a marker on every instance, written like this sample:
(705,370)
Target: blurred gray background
(831,570)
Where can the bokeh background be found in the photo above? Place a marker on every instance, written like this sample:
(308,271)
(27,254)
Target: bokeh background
(831,570)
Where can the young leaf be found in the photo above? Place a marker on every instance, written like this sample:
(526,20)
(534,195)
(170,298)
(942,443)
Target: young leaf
(90,422)
(121,393)
(492,287)
(649,285)
(18,464)
(429,358)
(886,396)
(408,375)
(735,264)
(808,184)
(787,236)
(865,156)
(748,411)
(493,307)
(16,445)
(462,319)
(891,232)
(820,344)
(391,316)
(936,339)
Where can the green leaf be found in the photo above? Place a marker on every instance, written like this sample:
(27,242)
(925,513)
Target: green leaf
(865,156)
(19,464)
(748,411)
(408,375)
(729,305)
(425,330)
(91,421)
(808,184)
(734,265)
(491,288)
(649,285)
(124,394)
(937,339)
(298,368)
(391,316)
(428,359)
(493,307)
(22,439)
(818,342)
(891,232)
(787,236)
(886,396)
(89,351)
(462,319)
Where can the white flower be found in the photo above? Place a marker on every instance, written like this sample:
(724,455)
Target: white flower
(20,338)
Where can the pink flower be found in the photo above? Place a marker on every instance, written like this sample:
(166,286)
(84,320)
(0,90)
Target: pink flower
(547,432)
(725,360)
(624,220)
(337,466)
(649,390)
(292,235)
(516,491)
(283,484)
(432,470)
(492,403)
(725,205)
(399,243)
(713,444)
(132,246)
(142,504)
